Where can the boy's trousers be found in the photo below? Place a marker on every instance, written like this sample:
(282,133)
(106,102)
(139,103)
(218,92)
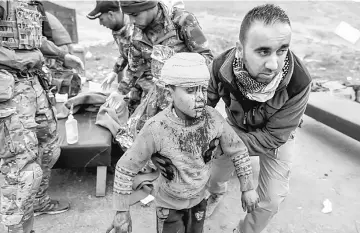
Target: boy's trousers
(181,221)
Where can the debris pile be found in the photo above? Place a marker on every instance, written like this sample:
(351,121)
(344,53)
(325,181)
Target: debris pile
(349,89)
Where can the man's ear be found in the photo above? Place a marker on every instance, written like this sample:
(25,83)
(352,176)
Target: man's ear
(239,49)
(111,14)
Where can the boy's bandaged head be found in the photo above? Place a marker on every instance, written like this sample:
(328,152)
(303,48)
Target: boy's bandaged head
(185,70)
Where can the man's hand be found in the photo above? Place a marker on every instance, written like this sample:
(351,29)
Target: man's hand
(121,223)
(73,61)
(249,200)
(165,165)
(106,83)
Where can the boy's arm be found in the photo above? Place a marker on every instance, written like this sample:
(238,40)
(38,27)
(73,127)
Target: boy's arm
(129,165)
(234,147)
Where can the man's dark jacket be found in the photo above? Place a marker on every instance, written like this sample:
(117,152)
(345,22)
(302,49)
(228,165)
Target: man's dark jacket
(263,127)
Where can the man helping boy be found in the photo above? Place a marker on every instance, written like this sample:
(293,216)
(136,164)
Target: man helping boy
(189,133)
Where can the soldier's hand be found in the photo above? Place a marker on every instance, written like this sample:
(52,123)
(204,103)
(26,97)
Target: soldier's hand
(115,100)
(106,83)
(73,61)
(121,223)
(249,200)
(165,165)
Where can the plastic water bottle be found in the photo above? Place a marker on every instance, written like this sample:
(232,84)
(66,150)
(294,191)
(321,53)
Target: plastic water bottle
(71,128)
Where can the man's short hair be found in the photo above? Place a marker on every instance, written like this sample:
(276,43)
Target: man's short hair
(268,14)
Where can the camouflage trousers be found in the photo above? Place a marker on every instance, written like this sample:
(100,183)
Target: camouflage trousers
(33,147)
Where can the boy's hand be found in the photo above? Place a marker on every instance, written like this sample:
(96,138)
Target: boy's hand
(249,200)
(121,224)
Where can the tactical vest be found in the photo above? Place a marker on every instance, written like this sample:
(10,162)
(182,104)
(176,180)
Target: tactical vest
(21,25)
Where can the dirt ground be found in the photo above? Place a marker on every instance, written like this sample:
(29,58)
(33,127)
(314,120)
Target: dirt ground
(328,162)
(326,55)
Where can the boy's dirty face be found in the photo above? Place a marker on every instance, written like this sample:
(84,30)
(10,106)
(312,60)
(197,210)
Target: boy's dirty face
(189,102)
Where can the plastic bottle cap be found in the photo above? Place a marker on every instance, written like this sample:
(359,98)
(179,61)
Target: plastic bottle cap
(71,109)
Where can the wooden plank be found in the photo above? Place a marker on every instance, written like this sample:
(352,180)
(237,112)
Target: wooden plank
(335,112)
(66,16)
(101,181)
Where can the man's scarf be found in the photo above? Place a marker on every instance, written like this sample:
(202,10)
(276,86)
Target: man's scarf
(252,89)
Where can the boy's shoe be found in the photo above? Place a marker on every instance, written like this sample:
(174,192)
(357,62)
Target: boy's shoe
(212,202)
(54,207)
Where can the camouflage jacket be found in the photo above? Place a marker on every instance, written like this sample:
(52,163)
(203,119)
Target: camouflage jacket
(179,30)
(122,38)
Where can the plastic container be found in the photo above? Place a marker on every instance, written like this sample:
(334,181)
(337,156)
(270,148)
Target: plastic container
(71,128)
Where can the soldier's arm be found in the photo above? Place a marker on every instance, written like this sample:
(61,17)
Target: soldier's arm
(194,37)
(130,164)
(120,64)
(49,49)
(122,60)
(213,96)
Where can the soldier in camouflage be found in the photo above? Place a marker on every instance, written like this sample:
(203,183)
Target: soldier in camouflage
(160,26)
(111,17)
(29,145)
(157,24)
(167,24)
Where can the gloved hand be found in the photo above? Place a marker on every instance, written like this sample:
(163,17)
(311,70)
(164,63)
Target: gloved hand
(115,100)
(106,83)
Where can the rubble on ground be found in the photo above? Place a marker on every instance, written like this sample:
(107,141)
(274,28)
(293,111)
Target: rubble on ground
(349,89)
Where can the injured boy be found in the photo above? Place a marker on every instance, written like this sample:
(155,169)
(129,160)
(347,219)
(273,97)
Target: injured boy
(188,133)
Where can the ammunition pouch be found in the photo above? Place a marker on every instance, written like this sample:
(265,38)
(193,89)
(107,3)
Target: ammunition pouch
(66,82)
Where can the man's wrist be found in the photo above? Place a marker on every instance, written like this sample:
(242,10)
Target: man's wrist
(62,55)
(117,69)
(247,190)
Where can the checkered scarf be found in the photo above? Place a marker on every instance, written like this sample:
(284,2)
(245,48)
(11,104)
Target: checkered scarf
(249,86)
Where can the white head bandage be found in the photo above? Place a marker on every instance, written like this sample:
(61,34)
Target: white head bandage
(185,70)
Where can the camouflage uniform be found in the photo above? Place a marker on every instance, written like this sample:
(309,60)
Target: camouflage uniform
(28,128)
(179,31)
(122,38)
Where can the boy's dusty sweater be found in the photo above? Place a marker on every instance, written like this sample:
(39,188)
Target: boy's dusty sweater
(185,145)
